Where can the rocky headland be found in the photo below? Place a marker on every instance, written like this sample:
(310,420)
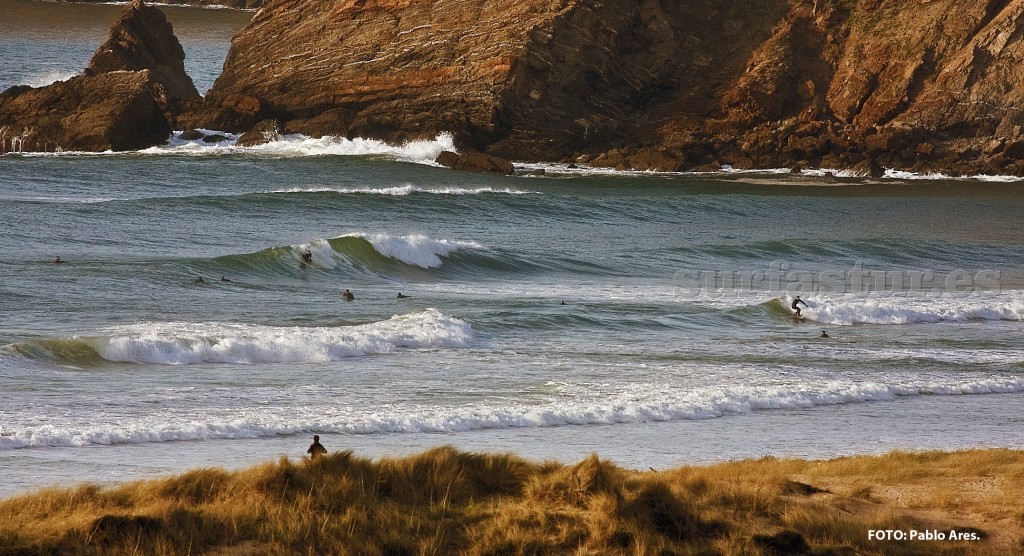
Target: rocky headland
(928,85)
(925,86)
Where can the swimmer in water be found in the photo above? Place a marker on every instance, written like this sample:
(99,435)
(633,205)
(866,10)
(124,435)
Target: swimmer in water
(347,295)
(58,261)
(824,334)
(403,296)
(199,280)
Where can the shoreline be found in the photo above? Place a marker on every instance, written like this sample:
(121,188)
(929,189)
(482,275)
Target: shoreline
(913,423)
(897,503)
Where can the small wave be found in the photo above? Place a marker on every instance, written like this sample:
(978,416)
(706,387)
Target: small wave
(416,249)
(402,191)
(190,344)
(422,152)
(909,310)
(574,406)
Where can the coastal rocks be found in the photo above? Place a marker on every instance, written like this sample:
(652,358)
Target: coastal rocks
(114,111)
(529,80)
(143,39)
(263,132)
(475,162)
(128,98)
(651,85)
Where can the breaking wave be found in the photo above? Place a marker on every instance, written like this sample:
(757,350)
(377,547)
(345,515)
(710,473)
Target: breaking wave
(910,310)
(178,343)
(643,404)
(219,143)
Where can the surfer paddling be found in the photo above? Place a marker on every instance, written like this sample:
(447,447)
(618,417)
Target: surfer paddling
(795,307)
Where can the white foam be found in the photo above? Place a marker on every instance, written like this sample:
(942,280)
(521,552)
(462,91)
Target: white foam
(415,249)
(187,343)
(48,77)
(323,255)
(423,152)
(404,190)
(568,404)
(897,309)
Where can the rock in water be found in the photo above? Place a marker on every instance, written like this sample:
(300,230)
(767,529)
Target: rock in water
(114,111)
(143,39)
(263,132)
(475,162)
(128,98)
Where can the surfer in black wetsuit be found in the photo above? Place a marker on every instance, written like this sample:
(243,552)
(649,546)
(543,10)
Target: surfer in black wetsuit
(402,296)
(58,261)
(307,256)
(347,295)
(824,334)
(796,302)
(199,280)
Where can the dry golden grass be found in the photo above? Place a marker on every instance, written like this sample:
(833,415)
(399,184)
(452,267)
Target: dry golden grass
(449,502)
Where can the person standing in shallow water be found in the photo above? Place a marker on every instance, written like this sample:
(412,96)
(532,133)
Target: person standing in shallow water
(316,449)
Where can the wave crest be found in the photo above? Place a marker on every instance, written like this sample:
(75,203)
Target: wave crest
(191,343)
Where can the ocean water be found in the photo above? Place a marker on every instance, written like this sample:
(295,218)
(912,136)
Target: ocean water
(675,344)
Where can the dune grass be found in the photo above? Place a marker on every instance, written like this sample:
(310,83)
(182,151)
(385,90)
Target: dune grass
(445,501)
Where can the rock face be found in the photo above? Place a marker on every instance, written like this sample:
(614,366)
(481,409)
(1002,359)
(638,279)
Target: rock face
(131,92)
(143,39)
(114,111)
(475,162)
(648,84)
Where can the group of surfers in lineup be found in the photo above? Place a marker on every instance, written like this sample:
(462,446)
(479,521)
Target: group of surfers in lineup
(307,259)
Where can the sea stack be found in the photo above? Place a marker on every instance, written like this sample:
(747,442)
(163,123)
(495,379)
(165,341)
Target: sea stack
(126,100)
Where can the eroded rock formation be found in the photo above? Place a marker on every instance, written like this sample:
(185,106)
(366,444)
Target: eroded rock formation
(128,98)
(660,84)
(142,38)
(113,111)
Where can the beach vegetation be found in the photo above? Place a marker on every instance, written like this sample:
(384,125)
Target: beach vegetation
(446,501)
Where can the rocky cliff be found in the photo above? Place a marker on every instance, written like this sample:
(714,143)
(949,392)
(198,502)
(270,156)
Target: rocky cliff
(127,99)
(666,84)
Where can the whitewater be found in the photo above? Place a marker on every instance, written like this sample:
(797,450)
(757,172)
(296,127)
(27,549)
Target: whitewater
(550,315)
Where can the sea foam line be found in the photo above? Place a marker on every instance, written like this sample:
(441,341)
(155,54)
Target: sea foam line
(296,145)
(405,190)
(659,404)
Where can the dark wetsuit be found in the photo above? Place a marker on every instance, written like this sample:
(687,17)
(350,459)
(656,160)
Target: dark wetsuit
(316,449)
(795,303)
(347,295)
